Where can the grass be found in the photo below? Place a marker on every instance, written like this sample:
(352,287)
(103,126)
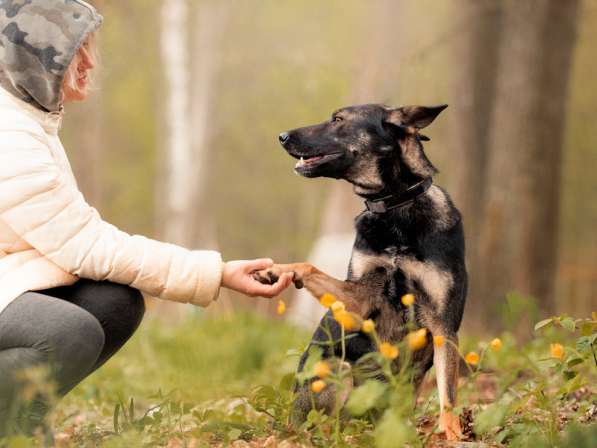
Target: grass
(226,381)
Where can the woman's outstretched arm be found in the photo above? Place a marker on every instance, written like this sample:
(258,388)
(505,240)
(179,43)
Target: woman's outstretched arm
(44,207)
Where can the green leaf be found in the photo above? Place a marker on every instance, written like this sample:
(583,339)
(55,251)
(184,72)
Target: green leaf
(584,343)
(234,434)
(365,397)
(543,323)
(490,417)
(132,409)
(313,416)
(568,324)
(394,431)
(287,382)
(116,417)
(575,361)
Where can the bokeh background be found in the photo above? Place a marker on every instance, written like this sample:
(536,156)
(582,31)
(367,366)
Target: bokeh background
(179,140)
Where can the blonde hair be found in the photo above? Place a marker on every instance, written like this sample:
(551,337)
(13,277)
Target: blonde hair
(71,74)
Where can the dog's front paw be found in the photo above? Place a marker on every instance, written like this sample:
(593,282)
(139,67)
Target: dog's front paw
(449,424)
(268,276)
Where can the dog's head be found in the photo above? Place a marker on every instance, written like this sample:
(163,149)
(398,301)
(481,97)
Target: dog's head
(368,145)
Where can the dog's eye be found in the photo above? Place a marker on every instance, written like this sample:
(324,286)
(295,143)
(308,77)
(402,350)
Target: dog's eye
(337,119)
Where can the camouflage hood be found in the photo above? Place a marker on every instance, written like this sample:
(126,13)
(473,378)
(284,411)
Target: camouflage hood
(38,41)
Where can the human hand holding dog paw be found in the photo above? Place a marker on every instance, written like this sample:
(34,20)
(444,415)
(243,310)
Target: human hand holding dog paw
(238,275)
(272,274)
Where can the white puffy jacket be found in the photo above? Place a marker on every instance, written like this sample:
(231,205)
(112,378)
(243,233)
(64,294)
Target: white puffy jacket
(49,235)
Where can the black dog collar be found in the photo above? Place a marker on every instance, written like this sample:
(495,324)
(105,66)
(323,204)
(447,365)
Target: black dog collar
(393,201)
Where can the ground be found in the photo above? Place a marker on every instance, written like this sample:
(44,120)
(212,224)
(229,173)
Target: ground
(226,380)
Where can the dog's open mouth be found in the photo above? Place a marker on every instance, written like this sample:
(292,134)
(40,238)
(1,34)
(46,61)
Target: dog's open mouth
(305,163)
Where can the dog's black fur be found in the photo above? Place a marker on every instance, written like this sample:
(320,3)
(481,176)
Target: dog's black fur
(417,248)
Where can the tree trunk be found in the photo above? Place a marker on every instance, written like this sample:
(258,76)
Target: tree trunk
(474,82)
(540,195)
(519,234)
(189,86)
(178,150)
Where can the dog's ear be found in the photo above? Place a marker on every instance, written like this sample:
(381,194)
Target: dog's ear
(408,120)
(417,117)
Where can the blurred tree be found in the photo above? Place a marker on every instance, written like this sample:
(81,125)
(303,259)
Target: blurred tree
(178,150)
(211,18)
(475,56)
(190,55)
(520,221)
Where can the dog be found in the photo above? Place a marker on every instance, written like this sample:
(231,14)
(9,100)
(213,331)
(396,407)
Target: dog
(410,239)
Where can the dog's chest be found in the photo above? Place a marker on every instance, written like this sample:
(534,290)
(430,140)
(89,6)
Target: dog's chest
(377,246)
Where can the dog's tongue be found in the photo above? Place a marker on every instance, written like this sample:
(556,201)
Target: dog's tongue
(305,162)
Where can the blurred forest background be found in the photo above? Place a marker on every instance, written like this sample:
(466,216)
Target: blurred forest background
(180,140)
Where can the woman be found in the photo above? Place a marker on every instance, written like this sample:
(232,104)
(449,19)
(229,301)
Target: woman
(71,283)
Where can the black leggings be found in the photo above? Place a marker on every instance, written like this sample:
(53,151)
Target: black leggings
(71,329)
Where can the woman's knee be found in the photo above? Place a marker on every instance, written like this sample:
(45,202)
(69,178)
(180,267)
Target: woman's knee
(111,303)
(126,304)
(76,348)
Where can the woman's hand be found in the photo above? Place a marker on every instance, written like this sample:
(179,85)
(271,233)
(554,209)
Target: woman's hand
(237,275)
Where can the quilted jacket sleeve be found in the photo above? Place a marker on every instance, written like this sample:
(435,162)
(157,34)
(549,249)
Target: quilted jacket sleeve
(40,204)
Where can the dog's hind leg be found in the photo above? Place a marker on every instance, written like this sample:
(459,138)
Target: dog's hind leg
(331,400)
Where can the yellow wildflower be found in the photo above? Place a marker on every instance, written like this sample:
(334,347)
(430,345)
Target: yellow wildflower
(327,299)
(347,320)
(318,386)
(338,307)
(388,350)
(496,344)
(472,358)
(368,326)
(408,299)
(281,307)
(557,351)
(417,339)
(439,340)
(322,369)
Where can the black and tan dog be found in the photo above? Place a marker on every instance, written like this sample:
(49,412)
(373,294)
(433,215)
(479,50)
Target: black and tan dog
(409,240)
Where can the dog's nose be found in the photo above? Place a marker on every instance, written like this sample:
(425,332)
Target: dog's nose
(283,137)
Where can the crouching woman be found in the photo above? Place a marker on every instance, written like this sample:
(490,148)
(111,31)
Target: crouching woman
(71,283)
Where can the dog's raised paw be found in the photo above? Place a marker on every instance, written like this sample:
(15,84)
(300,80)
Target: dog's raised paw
(266,276)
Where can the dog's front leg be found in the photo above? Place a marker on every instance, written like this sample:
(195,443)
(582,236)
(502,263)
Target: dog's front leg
(446,360)
(319,283)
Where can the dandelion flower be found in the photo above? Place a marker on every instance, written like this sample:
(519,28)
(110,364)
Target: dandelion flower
(322,369)
(496,344)
(408,299)
(472,358)
(347,320)
(327,299)
(281,307)
(417,339)
(439,340)
(388,350)
(318,386)
(557,351)
(368,326)
(338,307)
